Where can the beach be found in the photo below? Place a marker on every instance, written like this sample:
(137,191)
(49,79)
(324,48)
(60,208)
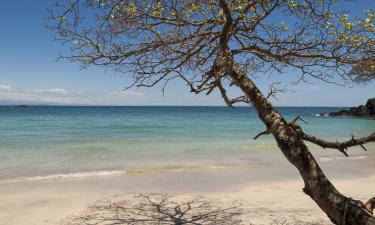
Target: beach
(72,165)
(187,112)
(257,201)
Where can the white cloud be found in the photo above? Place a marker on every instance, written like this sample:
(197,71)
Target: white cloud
(43,96)
(125,93)
(57,91)
(61,96)
(40,98)
(5,88)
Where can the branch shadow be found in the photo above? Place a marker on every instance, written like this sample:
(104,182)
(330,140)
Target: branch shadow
(161,209)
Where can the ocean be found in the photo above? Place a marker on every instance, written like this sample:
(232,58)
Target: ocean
(46,142)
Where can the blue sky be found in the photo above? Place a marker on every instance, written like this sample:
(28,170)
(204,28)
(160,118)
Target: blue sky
(29,73)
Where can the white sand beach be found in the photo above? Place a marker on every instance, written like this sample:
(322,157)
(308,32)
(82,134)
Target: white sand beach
(269,201)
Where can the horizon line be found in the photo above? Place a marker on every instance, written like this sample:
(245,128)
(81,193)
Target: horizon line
(83,105)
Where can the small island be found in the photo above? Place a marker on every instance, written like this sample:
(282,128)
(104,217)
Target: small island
(24,106)
(363,111)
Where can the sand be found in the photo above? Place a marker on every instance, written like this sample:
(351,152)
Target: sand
(261,201)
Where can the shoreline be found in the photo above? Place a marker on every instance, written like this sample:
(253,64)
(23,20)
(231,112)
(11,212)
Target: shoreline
(357,164)
(148,171)
(264,196)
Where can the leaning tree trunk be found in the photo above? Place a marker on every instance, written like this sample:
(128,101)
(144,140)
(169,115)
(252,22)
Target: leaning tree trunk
(340,209)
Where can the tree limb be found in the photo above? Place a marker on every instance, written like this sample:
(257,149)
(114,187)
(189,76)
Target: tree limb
(274,90)
(370,205)
(341,146)
(299,118)
(266,132)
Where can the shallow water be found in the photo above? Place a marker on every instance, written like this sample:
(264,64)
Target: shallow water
(44,142)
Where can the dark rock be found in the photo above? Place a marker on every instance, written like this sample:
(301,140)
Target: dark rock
(370,105)
(367,111)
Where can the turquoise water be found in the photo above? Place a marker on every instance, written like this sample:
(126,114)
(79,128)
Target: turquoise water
(50,140)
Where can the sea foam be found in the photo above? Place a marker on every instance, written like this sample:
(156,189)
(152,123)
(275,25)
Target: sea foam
(65,175)
(129,171)
(338,158)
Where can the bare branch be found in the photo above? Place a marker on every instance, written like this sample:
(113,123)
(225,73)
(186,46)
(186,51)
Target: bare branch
(274,90)
(299,118)
(243,99)
(341,146)
(223,93)
(266,132)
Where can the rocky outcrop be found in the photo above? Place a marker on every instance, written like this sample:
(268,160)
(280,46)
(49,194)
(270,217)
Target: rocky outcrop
(367,110)
(370,105)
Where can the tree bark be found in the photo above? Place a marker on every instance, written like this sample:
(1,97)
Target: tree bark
(340,209)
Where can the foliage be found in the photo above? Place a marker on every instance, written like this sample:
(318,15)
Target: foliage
(363,72)
(156,40)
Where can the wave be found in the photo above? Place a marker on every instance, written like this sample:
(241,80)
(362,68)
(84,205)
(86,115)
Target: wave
(325,159)
(106,173)
(64,175)
(321,114)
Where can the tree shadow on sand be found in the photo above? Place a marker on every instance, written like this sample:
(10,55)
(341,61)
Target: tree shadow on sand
(161,209)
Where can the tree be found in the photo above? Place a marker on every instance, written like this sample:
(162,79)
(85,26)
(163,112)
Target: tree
(363,72)
(217,44)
